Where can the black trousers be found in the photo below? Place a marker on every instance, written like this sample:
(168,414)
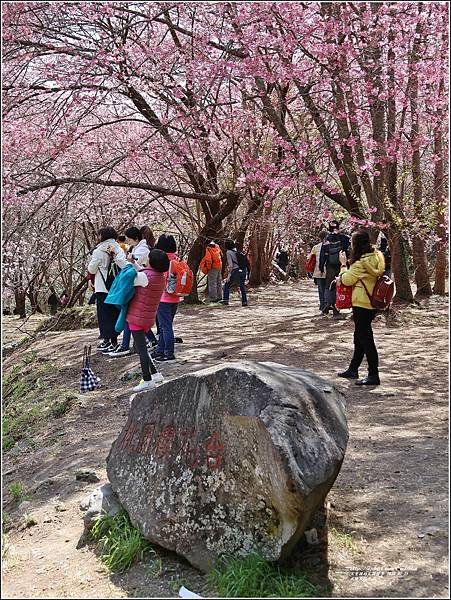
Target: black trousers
(147,365)
(107,315)
(364,340)
(330,294)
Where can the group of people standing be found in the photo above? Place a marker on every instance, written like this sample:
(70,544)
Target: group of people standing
(138,267)
(130,278)
(238,269)
(358,264)
(129,274)
(327,265)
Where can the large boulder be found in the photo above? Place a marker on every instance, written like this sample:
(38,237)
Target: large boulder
(231,459)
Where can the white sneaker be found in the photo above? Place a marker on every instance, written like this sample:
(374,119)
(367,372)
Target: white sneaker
(103,344)
(110,348)
(119,352)
(144,385)
(158,378)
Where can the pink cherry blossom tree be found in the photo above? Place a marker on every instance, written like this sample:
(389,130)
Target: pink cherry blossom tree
(225,119)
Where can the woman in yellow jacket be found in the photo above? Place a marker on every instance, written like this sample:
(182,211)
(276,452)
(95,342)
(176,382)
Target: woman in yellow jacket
(366,266)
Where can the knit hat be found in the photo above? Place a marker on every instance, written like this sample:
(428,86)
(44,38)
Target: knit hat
(159,260)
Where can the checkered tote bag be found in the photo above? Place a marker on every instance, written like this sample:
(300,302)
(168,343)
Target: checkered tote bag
(88,380)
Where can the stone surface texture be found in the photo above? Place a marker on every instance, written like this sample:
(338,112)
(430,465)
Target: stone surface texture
(232,459)
(101,501)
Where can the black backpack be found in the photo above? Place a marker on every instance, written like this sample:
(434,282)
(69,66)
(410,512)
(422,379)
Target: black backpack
(334,250)
(242,261)
(113,270)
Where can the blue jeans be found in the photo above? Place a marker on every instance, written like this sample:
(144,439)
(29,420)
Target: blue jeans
(238,277)
(166,313)
(127,334)
(321,283)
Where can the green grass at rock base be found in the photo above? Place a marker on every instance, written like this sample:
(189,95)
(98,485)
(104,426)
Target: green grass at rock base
(120,544)
(255,577)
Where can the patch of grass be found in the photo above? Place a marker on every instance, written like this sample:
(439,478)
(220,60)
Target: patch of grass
(175,583)
(255,577)
(29,357)
(8,349)
(7,440)
(61,407)
(5,546)
(346,540)
(31,396)
(17,491)
(29,520)
(70,319)
(155,566)
(120,543)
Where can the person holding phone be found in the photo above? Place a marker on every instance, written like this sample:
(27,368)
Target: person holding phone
(104,255)
(138,250)
(138,255)
(366,265)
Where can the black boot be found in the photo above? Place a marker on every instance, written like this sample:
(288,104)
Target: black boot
(349,374)
(369,380)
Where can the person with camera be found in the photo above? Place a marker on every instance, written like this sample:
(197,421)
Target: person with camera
(366,265)
(138,255)
(107,258)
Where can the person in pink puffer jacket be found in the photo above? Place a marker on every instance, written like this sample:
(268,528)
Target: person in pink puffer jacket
(142,310)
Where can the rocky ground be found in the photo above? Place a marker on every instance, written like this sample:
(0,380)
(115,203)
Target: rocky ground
(388,507)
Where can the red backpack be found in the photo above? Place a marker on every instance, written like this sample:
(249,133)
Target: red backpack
(310,265)
(180,278)
(383,291)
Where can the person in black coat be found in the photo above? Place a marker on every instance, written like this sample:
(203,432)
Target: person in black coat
(282,260)
(329,263)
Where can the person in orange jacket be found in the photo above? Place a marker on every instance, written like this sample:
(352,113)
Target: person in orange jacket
(211,265)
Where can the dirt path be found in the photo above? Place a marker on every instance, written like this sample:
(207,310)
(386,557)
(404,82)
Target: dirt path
(388,516)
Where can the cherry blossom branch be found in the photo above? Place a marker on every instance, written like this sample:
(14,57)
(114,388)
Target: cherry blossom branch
(124,184)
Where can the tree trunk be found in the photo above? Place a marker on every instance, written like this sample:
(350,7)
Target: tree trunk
(253,206)
(397,245)
(302,261)
(421,268)
(400,270)
(20,296)
(195,255)
(33,294)
(260,268)
(418,247)
(77,294)
(212,230)
(257,252)
(440,265)
(440,207)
